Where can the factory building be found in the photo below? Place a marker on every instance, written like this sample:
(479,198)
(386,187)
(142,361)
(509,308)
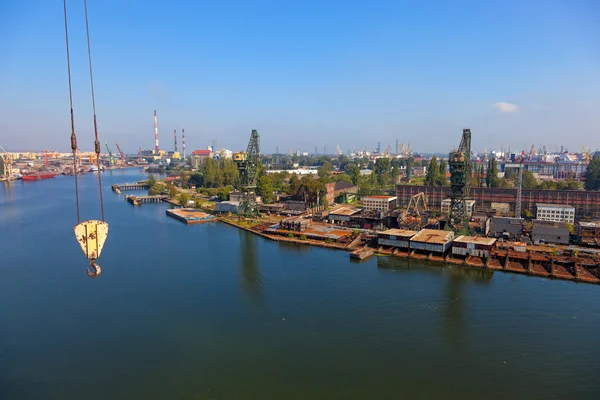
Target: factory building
(296,224)
(477,246)
(588,233)
(379,203)
(555,213)
(550,232)
(340,191)
(505,226)
(586,203)
(395,238)
(446,207)
(198,156)
(343,215)
(432,240)
(227,206)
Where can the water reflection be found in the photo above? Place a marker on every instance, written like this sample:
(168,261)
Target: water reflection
(9,192)
(454,302)
(250,269)
(293,247)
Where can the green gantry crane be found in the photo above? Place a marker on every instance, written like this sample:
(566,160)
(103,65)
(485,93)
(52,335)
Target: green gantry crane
(247,164)
(110,155)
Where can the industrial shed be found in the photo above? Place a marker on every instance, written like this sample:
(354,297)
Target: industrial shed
(556,232)
(507,226)
(227,206)
(477,246)
(342,214)
(396,238)
(432,240)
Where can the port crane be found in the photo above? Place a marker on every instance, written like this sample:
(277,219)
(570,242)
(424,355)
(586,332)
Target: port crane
(6,159)
(460,182)
(121,153)
(91,234)
(248,164)
(110,155)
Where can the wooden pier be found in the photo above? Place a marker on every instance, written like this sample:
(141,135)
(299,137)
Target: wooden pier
(139,200)
(130,186)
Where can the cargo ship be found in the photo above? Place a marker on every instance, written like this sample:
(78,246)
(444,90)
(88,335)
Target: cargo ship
(38,176)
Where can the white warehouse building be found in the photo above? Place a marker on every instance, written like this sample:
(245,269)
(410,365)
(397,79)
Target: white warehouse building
(555,213)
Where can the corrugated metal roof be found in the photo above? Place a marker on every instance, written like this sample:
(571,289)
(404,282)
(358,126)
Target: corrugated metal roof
(432,236)
(345,211)
(399,232)
(475,239)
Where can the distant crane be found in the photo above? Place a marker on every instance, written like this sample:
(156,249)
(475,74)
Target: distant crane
(6,159)
(110,155)
(140,155)
(121,153)
(248,164)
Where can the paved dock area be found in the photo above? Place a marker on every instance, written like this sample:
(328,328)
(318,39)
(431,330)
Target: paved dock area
(190,215)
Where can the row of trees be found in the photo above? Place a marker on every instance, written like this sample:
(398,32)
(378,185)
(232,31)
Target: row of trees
(592,175)
(215,174)
(436,174)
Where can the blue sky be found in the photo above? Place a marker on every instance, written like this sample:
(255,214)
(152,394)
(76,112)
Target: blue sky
(304,73)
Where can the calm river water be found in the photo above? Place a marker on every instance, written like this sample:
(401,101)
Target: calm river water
(211,312)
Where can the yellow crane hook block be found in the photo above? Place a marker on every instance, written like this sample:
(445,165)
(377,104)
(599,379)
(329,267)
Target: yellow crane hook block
(91,235)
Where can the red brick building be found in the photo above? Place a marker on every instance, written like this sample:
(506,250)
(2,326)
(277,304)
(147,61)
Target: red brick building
(586,203)
(336,189)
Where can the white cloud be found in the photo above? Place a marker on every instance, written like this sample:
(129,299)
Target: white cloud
(504,107)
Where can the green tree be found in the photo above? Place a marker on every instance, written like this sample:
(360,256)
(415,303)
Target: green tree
(172,190)
(529,181)
(442,179)
(342,177)
(355,174)
(183,199)
(409,167)
(294,187)
(157,188)
(325,170)
(210,172)
(151,180)
(592,174)
(383,171)
(264,188)
(492,180)
(196,179)
(309,189)
(443,167)
(432,172)
(223,193)
(229,172)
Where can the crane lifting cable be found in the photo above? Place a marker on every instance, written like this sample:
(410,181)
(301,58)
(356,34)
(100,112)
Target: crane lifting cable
(90,234)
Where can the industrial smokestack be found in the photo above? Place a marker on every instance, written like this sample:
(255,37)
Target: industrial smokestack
(183,141)
(175,136)
(155,132)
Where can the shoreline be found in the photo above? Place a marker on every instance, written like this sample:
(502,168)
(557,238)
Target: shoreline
(559,271)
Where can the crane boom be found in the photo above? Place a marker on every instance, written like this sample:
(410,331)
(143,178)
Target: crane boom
(120,152)
(110,155)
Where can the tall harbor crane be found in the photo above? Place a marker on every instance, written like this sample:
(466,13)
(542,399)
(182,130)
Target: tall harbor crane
(121,153)
(248,164)
(460,182)
(110,155)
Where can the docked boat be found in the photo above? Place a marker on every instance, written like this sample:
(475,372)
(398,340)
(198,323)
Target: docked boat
(38,176)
